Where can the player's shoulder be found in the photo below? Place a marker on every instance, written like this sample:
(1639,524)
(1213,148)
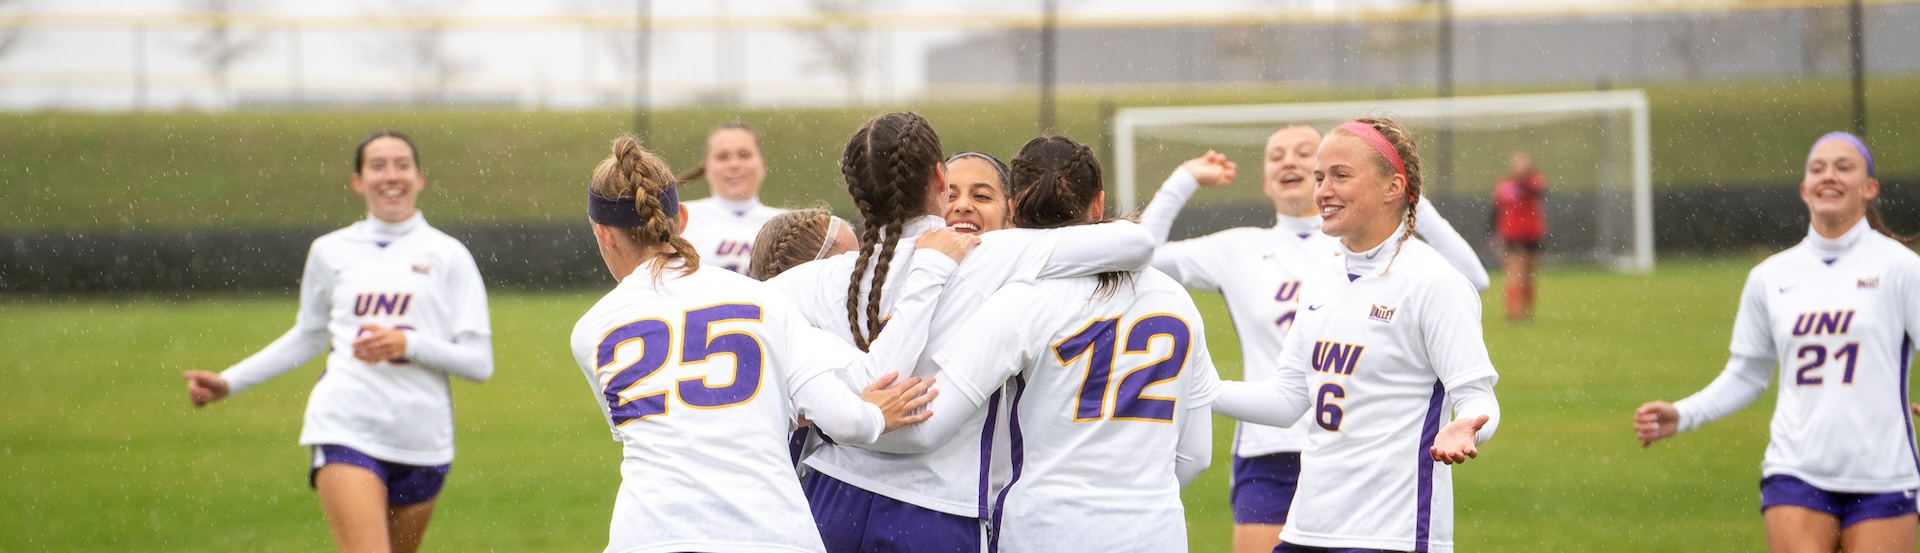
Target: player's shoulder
(1787,262)
(338,237)
(1888,249)
(1429,266)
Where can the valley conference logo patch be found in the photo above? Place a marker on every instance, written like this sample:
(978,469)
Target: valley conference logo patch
(1382,313)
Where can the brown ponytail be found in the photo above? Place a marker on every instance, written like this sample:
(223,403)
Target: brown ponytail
(1054,183)
(633,172)
(887,165)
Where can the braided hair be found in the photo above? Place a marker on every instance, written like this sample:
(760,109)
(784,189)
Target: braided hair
(633,172)
(789,239)
(887,165)
(1055,181)
(1403,144)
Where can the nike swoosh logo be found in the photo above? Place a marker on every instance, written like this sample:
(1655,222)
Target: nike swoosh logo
(1315,307)
(1783,289)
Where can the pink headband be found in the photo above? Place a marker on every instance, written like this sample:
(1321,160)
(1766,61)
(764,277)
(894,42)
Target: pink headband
(1373,138)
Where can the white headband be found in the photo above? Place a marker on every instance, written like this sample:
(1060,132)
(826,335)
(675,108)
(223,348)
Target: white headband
(826,241)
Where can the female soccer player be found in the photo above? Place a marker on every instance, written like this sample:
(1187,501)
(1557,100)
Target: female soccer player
(699,372)
(976,193)
(864,500)
(399,307)
(1521,223)
(1108,417)
(796,237)
(1259,272)
(1388,344)
(722,227)
(1840,471)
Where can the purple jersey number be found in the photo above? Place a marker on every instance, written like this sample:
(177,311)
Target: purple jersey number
(699,345)
(1130,402)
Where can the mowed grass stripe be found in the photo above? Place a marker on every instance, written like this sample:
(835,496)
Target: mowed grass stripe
(102,451)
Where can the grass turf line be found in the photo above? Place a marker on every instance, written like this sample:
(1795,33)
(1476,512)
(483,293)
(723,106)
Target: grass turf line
(101,451)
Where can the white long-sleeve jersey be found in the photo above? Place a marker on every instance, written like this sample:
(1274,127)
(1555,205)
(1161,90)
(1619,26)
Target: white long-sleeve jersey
(1258,271)
(1109,418)
(955,477)
(1380,363)
(408,276)
(1839,318)
(723,231)
(699,377)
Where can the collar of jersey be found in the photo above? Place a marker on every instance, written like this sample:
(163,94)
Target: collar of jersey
(740,207)
(1371,262)
(1838,245)
(382,230)
(918,226)
(1297,225)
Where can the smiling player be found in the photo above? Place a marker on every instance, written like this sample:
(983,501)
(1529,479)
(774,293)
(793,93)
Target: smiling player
(398,306)
(722,227)
(1388,343)
(1839,315)
(1259,271)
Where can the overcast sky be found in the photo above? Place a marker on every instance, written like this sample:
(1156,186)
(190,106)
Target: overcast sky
(101,62)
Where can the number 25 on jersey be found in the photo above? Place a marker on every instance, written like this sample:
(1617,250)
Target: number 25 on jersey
(699,344)
(1130,402)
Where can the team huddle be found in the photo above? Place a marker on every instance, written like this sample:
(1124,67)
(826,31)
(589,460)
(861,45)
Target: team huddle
(988,361)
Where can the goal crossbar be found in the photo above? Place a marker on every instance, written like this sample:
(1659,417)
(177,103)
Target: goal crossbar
(1125,121)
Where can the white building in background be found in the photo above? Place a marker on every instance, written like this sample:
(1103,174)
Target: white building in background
(568,54)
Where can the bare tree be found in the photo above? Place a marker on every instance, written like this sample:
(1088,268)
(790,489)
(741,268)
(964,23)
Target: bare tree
(838,42)
(419,47)
(10,35)
(219,46)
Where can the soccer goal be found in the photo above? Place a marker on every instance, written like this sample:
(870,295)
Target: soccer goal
(1591,146)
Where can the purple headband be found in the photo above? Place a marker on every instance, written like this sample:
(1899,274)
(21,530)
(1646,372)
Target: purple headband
(1848,138)
(619,212)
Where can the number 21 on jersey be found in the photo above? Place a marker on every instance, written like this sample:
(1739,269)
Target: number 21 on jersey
(1096,342)
(699,344)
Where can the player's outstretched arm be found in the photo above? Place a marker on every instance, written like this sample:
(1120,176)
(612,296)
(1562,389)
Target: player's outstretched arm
(1655,421)
(205,387)
(1207,171)
(1455,443)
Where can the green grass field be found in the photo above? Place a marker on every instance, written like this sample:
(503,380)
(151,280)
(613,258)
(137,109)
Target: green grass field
(100,450)
(116,172)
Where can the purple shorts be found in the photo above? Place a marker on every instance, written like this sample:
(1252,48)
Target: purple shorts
(1851,508)
(1285,547)
(1263,487)
(853,520)
(406,484)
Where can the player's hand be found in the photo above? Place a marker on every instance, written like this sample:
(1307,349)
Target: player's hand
(205,387)
(1656,420)
(948,241)
(899,401)
(378,343)
(1916,409)
(1454,444)
(1211,170)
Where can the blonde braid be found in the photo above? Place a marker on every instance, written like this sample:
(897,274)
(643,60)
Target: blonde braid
(1409,150)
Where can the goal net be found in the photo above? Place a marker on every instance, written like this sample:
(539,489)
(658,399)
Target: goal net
(1591,146)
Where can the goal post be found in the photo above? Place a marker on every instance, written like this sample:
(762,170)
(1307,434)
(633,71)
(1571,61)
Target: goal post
(1593,148)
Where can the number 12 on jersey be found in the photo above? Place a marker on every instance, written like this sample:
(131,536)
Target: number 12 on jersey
(699,345)
(1096,342)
